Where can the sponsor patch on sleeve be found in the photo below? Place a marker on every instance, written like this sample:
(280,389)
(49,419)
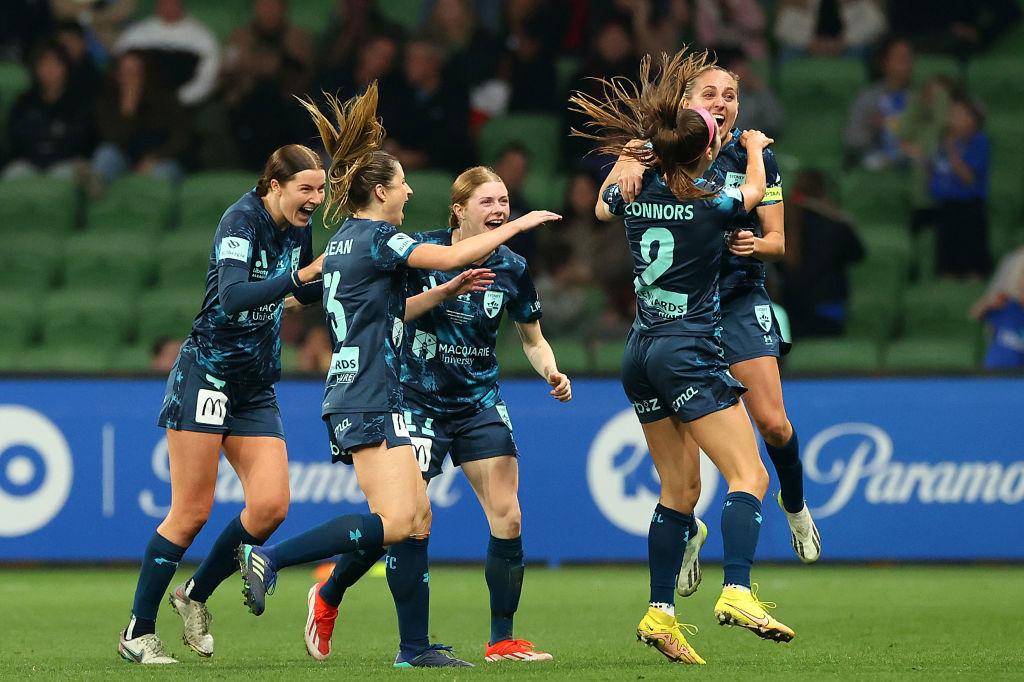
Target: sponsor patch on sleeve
(772,194)
(733,193)
(401,243)
(234,248)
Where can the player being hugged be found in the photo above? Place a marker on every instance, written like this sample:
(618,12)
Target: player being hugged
(365,270)
(220,396)
(672,369)
(454,406)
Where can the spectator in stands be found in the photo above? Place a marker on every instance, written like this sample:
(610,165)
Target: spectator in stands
(761,110)
(266,63)
(84,75)
(427,117)
(562,289)
(921,129)
(375,60)
(143,129)
(350,26)
(101,21)
(50,128)
(732,24)
(314,355)
(472,48)
(163,353)
(820,245)
(513,167)
(958,28)
(533,33)
(828,28)
(873,128)
(1002,306)
(958,187)
(184,50)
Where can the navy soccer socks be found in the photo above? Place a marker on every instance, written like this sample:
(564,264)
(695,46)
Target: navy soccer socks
(741,526)
(159,562)
(349,569)
(221,563)
(503,571)
(409,580)
(666,541)
(338,536)
(786,460)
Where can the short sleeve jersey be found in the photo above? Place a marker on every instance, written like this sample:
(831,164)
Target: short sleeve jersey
(677,250)
(364,301)
(448,362)
(246,347)
(729,170)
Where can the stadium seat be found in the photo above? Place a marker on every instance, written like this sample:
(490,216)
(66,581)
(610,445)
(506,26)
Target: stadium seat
(939,310)
(405,13)
(35,267)
(14,80)
(872,315)
(88,317)
(136,203)
(47,209)
(886,242)
(428,207)
(183,262)
(19,320)
(833,355)
(312,15)
(109,260)
(881,196)
(205,197)
(544,191)
(165,313)
(928,354)
(132,359)
(608,358)
(573,357)
(927,66)
(541,134)
(882,273)
(76,358)
(995,78)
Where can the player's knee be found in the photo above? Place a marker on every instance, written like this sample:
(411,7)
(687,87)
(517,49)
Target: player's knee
(507,520)
(267,515)
(188,522)
(775,429)
(752,479)
(398,525)
(422,521)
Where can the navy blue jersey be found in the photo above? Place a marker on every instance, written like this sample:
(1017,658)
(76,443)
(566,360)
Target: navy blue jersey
(364,300)
(677,250)
(730,170)
(246,347)
(448,363)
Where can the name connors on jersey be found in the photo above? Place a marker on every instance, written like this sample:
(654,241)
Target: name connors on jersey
(660,211)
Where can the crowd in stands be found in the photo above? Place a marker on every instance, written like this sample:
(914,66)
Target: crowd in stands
(147,87)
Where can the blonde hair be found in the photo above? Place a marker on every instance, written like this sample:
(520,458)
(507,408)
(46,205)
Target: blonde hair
(358,164)
(465,185)
(653,111)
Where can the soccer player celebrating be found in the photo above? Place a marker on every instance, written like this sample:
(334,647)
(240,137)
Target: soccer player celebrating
(454,406)
(365,268)
(220,396)
(672,370)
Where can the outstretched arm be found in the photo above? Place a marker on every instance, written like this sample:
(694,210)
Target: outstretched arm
(476,279)
(538,352)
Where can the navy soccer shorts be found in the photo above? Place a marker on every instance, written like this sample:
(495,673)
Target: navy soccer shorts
(749,327)
(483,435)
(351,430)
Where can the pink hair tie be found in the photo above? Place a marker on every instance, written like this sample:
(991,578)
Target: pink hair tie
(706,115)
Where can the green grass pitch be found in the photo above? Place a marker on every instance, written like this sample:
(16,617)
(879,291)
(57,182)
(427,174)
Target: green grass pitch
(852,622)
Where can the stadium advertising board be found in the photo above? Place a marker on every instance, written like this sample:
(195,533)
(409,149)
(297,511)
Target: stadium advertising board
(928,469)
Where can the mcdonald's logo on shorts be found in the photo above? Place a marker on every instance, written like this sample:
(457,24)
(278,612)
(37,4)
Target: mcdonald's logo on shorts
(211,407)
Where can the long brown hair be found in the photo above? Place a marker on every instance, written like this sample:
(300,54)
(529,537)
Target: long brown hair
(465,185)
(285,162)
(652,112)
(354,145)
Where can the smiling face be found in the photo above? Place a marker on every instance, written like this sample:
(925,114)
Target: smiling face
(298,197)
(717,91)
(486,209)
(394,197)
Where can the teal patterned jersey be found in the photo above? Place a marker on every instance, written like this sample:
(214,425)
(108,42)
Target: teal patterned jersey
(448,362)
(677,249)
(364,301)
(245,347)
(729,170)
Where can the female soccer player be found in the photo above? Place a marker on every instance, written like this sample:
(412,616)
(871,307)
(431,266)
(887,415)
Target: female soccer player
(672,371)
(365,269)
(453,405)
(220,396)
(751,339)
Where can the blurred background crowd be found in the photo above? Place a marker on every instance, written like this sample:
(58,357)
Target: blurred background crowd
(130,125)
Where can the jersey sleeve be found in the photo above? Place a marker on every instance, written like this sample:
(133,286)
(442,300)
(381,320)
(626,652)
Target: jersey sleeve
(730,202)
(235,239)
(773,179)
(525,304)
(612,196)
(390,248)
(311,291)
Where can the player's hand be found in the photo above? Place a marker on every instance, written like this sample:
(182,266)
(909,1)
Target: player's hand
(754,140)
(533,219)
(312,271)
(561,388)
(475,279)
(741,242)
(631,180)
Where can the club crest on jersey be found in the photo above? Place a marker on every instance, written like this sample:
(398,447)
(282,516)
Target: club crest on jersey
(764,316)
(296,254)
(424,345)
(397,328)
(733,179)
(492,302)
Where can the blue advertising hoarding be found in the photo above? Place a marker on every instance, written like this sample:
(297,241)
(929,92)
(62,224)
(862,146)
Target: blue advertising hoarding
(902,469)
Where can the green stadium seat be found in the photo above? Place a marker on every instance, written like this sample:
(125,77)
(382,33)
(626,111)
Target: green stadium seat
(19,320)
(206,196)
(572,356)
(312,15)
(108,260)
(833,355)
(889,243)
(811,140)
(134,358)
(872,315)
(48,208)
(540,134)
(543,191)
(882,273)
(996,79)
(928,354)
(566,67)
(84,358)
(132,203)
(608,357)
(927,66)
(939,310)
(428,207)
(405,13)
(289,358)
(183,262)
(881,196)
(88,317)
(14,80)
(165,313)
(35,267)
